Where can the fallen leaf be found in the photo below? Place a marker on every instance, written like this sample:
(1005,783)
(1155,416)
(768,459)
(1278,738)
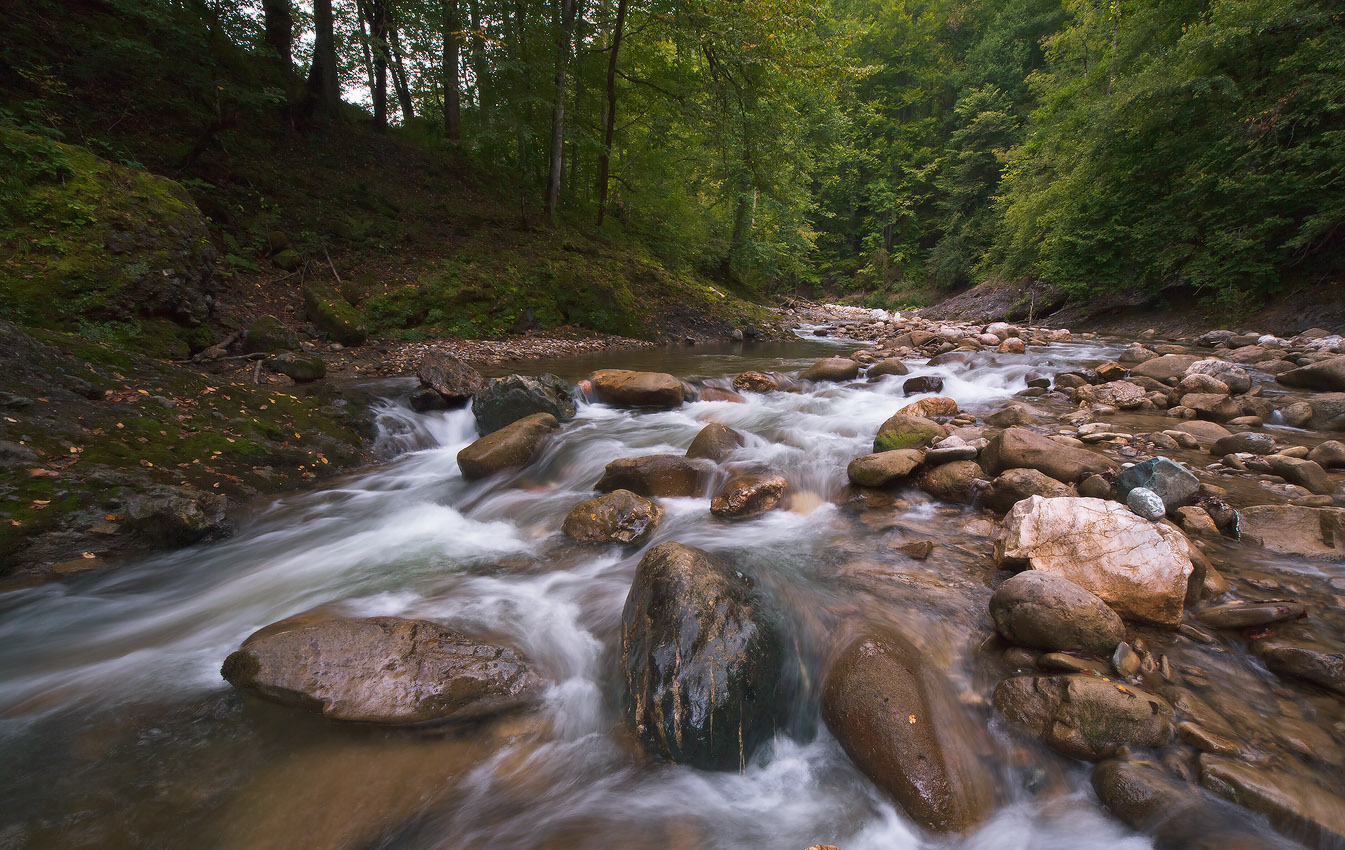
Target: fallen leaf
(38,472)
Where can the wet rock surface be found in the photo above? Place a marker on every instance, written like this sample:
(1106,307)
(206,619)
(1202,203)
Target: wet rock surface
(625,388)
(896,718)
(701,660)
(451,378)
(1042,611)
(747,496)
(617,517)
(382,670)
(504,401)
(512,447)
(652,476)
(1085,717)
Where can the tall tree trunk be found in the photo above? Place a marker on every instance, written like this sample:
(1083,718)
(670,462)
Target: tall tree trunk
(479,69)
(364,43)
(377,14)
(564,18)
(399,80)
(279,26)
(323,86)
(452,48)
(605,155)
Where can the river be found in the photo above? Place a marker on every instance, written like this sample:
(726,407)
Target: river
(118,732)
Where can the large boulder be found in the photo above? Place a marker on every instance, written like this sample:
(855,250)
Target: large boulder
(1139,568)
(832,369)
(1325,375)
(652,476)
(1015,485)
(617,517)
(1294,530)
(624,388)
(746,496)
(1084,716)
(512,447)
(1043,611)
(506,400)
(381,670)
(1167,368)
(904,431)
(715,442)
(883,468)
(268,335)
(896,717)
(1329,455)
(444,373)
(1019,448)
(1174,485)
(701,658)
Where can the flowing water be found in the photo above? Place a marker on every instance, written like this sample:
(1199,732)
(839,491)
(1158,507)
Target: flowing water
(117,730)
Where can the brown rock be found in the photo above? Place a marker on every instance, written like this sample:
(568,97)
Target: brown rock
(1083,716)
(883,468)
(1307,659)
(1165,368)
(512,447)
(902,431)
(831,369)
(1295,805)
(382,670)
(1043,611)
(1302,472)
(746,496)
(1325,375)
(755,382)
(898,721)
(617,517)
(1014,485)
(453,380)
(957,482)
(1294,530)
(624,388)
(652,476)
(1019,448)
(890,366)
(715,442)
(931,407)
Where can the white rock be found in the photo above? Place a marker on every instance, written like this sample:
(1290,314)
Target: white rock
(1138,567)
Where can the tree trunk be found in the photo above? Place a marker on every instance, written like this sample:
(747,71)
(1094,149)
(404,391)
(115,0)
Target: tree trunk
(605,155)
(452,48)
(399,80)
(479,69)
(323,86)
(376,12)
(565,20)
(364,43)
(279,25)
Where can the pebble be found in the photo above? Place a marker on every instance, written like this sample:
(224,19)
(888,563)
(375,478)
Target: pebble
(1145,503)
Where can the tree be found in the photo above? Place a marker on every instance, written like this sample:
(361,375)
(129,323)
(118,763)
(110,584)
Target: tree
(324,89)
(563,21)
(609,117)
(452,49)
(278,24)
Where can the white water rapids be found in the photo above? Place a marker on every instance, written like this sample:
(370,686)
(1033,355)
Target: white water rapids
(119,732)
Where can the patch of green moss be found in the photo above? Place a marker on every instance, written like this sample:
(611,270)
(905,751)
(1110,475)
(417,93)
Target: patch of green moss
(334,316)
(97,248)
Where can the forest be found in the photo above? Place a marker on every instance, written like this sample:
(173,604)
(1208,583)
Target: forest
(883,151)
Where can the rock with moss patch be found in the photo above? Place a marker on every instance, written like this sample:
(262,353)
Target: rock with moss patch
(303,368)
(268,335)
(904,431)
(512,447)
(287,260)
(333,316)
(178,516)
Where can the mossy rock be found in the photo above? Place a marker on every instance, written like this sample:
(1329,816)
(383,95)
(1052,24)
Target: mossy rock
(341,322)
(268,335)
(301,367)
(98,249)
(288,260)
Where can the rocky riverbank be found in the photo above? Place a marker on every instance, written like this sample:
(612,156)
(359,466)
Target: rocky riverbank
(1135,508)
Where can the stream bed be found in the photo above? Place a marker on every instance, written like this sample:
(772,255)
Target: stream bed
(118,731)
